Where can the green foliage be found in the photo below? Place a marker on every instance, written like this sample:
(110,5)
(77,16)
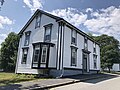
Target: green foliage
(8,52)
(10,78)
(109,50)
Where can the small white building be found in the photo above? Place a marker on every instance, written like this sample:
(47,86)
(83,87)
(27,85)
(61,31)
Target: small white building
(50,45)
(116,67)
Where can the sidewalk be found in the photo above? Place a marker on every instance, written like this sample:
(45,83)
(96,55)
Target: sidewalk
(50,83)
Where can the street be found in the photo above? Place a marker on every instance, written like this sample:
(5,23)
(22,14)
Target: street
(96,84)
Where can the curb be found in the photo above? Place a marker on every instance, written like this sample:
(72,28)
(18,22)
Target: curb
(65,83)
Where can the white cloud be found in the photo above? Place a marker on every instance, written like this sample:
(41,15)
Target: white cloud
(5,21)
(101,21)
(105,21)
(72,15)
(23,6)
(33,4)
(89,10)
(2,37)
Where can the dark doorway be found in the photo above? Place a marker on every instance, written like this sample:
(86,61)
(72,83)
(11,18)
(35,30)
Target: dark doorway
(85,62)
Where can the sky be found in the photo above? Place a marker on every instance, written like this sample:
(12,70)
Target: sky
(91,16)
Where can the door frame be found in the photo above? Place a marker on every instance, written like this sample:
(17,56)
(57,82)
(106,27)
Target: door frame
(88,61)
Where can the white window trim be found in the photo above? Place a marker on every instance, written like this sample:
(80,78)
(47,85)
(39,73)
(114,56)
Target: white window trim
(45,53)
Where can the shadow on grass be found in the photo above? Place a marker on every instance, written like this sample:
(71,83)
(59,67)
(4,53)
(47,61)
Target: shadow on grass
(104,78)
(92,78)
(9,84)
(19,87)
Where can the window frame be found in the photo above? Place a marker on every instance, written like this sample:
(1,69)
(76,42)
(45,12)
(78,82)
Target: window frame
(46,47)
(95,61)
(23,55)
(48,26)
(75,64)
(38,22)
(34,49)
(27,37)
(85,43)
(94,47)
(72,34)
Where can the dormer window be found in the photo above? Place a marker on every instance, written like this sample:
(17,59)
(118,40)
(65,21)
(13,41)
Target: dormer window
(74,37)
(38,20)
(47,35)
(85,43)
(27,38)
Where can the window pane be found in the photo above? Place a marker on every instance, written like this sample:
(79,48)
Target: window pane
(47,38)
(47,31)
(95,61)
(73,61)
(47,34)
(43,58)
(36,58)
(38,21)
(44,55)
(74,56)
(27,37)
(38,18)
(74,34)
(73,40)
(85,43)
(36,51)
(36,54)
(24,57)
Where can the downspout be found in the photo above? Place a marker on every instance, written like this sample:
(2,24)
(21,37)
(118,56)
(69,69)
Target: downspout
(62,39)
(63,51)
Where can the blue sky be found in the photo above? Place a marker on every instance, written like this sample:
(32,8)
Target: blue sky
(95,16)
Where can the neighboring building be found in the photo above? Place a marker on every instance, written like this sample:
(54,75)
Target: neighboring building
(116,67)
(50,45)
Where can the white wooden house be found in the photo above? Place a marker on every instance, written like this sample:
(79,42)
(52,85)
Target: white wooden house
(50,45)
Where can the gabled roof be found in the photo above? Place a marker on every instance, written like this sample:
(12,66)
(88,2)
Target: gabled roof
(34,15)
(57,19)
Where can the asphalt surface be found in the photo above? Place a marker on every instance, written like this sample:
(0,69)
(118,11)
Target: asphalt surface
(106,83)
(52,83)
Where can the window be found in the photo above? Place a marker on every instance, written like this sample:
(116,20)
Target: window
(27,38)
(44,54)
(24,56)
(38,20)
(74,37)
(95,61)
(73,56)
(94,48)
(85,43)
(36,53)
(47,36)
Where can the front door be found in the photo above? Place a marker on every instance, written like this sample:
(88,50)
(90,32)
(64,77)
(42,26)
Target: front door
(85,63)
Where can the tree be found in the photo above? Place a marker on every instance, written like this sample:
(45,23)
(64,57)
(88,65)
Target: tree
(8,53)
(109,50)
(2,2)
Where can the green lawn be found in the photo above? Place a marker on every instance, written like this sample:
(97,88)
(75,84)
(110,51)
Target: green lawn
(10,78)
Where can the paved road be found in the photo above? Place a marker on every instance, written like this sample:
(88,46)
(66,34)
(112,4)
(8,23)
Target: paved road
(96,84)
